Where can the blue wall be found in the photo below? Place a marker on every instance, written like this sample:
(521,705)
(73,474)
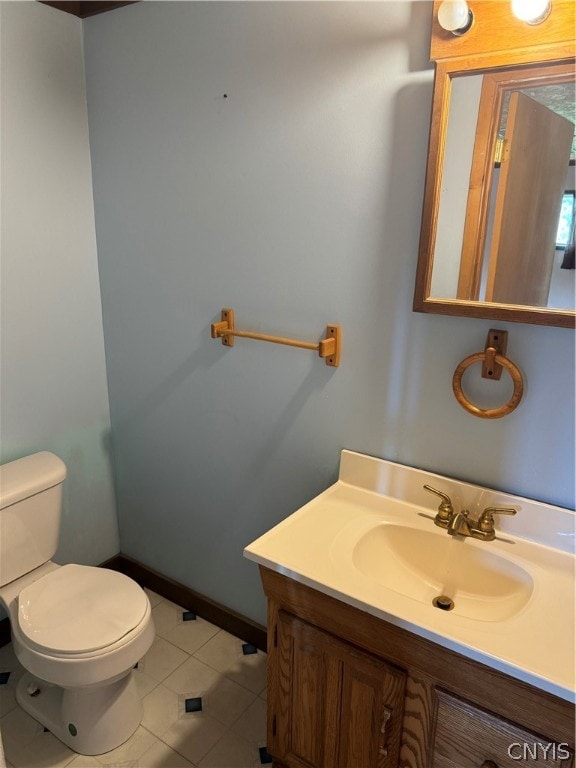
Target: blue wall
(53,388)
(270,157)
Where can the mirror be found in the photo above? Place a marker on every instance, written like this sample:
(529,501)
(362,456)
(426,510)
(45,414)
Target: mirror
(497,235)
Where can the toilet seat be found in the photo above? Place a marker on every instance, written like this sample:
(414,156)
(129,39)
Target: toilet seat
(78,609)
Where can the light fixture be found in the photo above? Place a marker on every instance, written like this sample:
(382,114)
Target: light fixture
(531,11)
(455,16)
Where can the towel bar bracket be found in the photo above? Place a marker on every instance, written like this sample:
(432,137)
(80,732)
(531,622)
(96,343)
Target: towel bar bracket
(328,348)
(496,343)
(224,328)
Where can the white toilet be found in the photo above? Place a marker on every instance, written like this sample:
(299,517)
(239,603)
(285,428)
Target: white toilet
(77,630)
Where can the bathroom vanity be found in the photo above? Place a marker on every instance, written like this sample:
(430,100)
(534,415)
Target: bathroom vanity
(365,670)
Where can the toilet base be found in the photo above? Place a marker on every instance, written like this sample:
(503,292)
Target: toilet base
(90,721)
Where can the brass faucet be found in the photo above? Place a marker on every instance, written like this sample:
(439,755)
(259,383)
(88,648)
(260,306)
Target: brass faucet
(460,524)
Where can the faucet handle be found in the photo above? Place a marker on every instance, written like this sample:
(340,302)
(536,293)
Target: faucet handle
(486,519)
(446,508)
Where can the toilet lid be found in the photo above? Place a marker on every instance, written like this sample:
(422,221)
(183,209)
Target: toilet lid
(80,608)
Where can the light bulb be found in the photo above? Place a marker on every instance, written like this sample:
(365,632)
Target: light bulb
(531,11)
(455,16)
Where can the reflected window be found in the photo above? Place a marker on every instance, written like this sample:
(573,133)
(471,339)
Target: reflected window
(566,222)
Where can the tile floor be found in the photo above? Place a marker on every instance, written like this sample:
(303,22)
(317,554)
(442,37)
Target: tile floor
(204,696)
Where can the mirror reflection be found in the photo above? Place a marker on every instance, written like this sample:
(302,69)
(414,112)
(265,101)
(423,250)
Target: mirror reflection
(505,218)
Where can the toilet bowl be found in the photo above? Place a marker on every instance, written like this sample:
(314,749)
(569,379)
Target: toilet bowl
(77,630)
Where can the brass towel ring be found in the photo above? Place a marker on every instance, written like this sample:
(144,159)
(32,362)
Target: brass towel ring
(491,355)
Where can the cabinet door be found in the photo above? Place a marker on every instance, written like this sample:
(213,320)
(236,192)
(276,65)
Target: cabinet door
(469,737)
(330,705)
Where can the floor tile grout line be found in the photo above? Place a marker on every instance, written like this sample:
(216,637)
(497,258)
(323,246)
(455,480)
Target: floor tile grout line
(197,649)
(228,731)
(177,666)
(212,717)
(170,746)
(219,671)
(255,745)
(219,630)
(228,677)
(228,725)
(252,744)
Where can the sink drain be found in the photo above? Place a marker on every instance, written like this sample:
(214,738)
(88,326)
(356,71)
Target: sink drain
(443,602)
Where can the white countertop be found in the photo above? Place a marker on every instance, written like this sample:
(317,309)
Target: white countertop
(536,645)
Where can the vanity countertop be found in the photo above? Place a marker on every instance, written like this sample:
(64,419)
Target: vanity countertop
(519,620)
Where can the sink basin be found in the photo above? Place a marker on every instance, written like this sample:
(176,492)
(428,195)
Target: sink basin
(369,541)
(425,564)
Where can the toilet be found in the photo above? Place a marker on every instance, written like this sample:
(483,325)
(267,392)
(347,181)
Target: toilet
(77,630)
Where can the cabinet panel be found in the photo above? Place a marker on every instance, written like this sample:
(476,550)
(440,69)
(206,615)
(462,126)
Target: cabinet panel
(417,724)
(469,737)
(371,712)
(332,706)
(307,695)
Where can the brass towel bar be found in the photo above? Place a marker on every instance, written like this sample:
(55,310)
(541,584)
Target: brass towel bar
(328,348)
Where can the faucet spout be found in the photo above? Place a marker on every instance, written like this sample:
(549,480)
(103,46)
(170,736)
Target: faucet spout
(459,524)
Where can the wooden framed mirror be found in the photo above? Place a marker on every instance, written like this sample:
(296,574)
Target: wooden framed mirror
(498,218)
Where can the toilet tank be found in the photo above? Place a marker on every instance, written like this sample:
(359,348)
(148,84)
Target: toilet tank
(30,512)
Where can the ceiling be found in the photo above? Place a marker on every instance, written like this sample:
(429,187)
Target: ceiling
(84,8)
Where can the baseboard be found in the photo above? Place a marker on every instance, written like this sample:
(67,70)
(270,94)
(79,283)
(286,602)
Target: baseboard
(5,636)
(208,609)
(213,612)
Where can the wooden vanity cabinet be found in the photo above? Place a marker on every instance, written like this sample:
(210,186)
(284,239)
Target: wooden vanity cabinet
(332,705)
(349,690)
